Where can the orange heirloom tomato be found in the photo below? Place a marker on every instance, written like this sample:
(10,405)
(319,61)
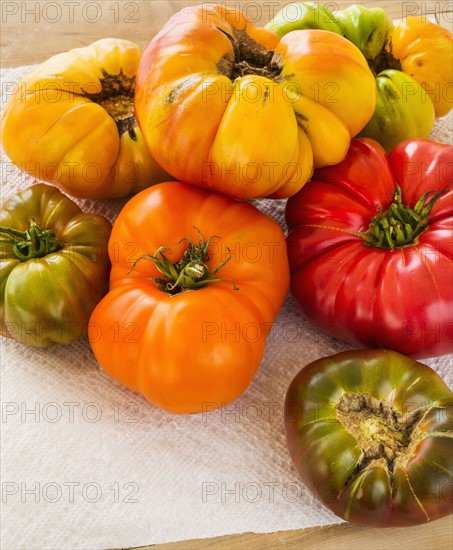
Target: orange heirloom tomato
(71,122)
(197,280)
(229,106)
(425,51)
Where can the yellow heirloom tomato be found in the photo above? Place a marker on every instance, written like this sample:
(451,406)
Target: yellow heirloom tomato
(71,122)
(425,51)
(229,106)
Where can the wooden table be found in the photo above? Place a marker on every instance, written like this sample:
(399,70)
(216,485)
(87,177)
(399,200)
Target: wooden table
(34,30)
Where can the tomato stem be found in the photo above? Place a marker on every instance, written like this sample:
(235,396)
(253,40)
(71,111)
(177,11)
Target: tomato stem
(381,431)
(34,242)
(383,62)
(400,225)
(249,57)
(117,98)
(190,272)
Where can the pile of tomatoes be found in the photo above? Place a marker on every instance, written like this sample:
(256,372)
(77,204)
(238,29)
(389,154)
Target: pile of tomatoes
(329,111)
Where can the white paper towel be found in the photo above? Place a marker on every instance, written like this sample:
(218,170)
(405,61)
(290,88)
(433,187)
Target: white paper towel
(87,463)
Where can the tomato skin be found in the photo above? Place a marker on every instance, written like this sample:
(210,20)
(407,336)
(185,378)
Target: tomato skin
(200,347)
(205,108)
(375,297)
(59,125)
(327,454)
(49,300)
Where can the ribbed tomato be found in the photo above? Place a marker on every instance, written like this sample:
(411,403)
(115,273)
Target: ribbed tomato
(71,122)
(229,106)
(371,247)
(371,434)
(54,266)
(197,280)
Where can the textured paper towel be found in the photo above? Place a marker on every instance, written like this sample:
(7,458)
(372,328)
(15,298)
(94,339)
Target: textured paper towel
(89,464)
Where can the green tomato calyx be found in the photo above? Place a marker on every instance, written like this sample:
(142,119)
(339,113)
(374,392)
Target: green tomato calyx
(34,242)
(191,272)
(383,62)
(400,225)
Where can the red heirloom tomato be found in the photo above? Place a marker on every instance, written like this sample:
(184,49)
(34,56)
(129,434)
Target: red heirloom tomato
(370,433)
(196,282)
(371,247)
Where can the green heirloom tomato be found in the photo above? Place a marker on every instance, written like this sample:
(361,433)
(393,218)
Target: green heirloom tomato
(368,29)
(403,110)
(371,434)
(54,266)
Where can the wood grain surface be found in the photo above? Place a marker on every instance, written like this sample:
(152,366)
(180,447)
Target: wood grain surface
(436,536)
(31,31)
(34,30)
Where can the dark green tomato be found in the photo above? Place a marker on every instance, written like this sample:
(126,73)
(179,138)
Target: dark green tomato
(54,266)
(371,434)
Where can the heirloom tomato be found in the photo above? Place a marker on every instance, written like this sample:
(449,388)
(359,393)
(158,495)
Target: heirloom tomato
(229,106)
(371,247)
(425,52)
(197,280)
(412,62)
(54,266)
(71,122)
(371,434)
(399,115)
